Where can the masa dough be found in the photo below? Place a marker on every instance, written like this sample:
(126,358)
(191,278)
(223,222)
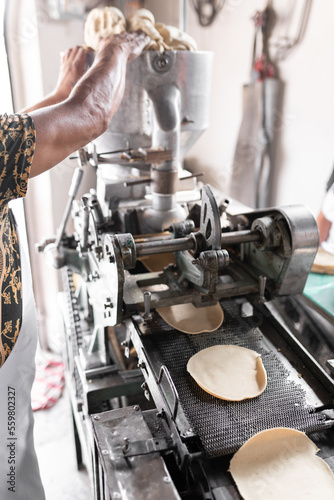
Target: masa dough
(190,319)
(228,372)
(144,20)
(279,464)
(107,21)
(175,39)
(101,23)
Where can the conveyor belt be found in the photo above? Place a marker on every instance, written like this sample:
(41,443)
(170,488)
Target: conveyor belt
(224,426)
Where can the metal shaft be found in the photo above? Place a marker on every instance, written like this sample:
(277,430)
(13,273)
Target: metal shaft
(189,242)
(165,246)
(237,237)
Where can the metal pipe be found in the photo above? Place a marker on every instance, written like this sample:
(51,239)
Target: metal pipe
(184,15)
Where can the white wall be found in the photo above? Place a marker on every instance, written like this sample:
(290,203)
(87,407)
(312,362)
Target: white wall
(306,157)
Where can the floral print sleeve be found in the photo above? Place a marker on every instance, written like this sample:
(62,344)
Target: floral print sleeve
(17,145)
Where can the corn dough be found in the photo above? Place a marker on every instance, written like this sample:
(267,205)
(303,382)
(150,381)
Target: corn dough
(190,319)
(101,23)
(281,464)
(229,372)
(107,21)
(144,20)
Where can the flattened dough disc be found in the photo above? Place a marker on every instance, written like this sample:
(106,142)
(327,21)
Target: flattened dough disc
(279,464)
(228,372)
(190,319)
(185,317)
(323,262)
(156,263)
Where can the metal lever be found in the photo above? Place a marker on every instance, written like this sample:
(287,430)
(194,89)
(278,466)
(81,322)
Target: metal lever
(85,228)
(330,365)
(75,184)
(147,304)
(164,371)
(262,288)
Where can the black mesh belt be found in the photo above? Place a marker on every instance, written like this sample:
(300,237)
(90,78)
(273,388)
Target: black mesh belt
(223,426)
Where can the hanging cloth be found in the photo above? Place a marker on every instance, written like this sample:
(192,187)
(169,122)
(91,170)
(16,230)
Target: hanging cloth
(253,165)
(19,471)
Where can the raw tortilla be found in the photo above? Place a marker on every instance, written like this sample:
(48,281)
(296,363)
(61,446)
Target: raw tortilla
(229,372)
(185,317)
(323,262)
(156,263)
(279,464)
(190,319)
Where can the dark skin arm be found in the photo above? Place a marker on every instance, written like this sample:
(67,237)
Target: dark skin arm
(324,226)
(72,68)
(71,124)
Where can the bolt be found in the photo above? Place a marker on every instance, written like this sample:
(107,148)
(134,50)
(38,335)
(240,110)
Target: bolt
(96,417)
(105,452)
(166,479)
(162,63)
(126,445)
(136,407)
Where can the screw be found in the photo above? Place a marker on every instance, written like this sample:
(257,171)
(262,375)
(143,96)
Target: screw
(96,417)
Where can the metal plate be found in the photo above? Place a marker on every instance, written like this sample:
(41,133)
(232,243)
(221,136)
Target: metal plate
(136,477)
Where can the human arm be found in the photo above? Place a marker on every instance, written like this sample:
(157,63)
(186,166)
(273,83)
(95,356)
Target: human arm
(72,68)
(324,227)
(325,217)
(71,124)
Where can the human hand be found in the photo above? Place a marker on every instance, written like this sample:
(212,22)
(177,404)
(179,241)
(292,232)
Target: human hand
(130,44)
(72,67)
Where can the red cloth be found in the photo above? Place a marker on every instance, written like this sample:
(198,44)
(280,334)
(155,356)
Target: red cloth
(48,385)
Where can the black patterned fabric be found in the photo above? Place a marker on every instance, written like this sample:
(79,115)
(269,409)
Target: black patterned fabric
(17,145)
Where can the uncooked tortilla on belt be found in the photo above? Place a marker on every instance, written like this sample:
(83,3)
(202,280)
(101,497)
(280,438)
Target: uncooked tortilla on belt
(228,372)
(190,319)
(281,464)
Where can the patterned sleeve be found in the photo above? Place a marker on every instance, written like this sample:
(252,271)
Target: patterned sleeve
(17,146)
